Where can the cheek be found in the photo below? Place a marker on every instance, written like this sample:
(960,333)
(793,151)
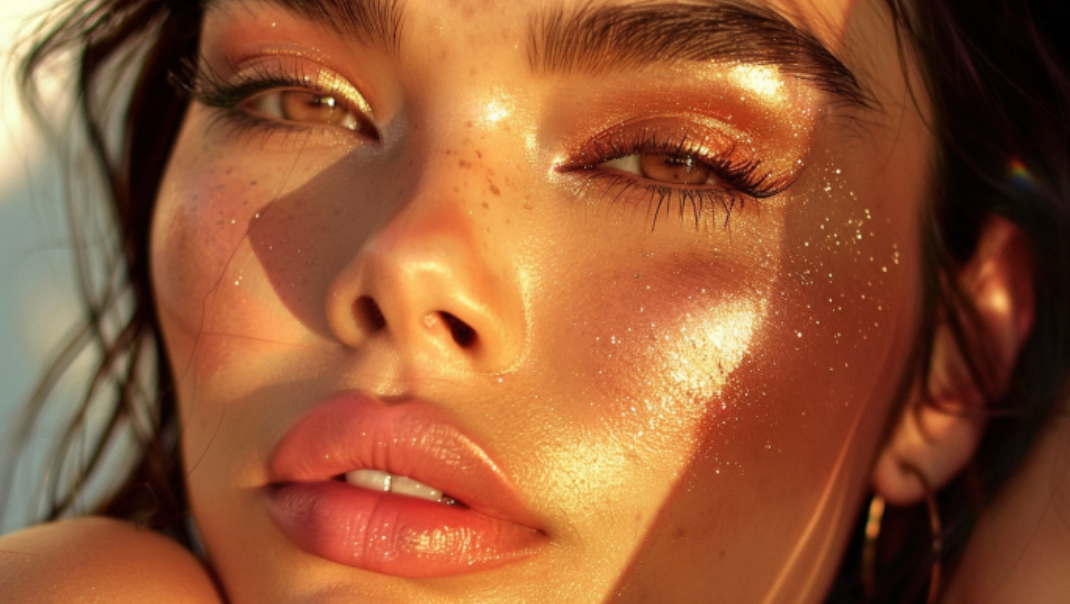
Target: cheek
(754,371)
(642,347)
(211,294)
(661,343)
(775,479)
(197,231)
(811,400)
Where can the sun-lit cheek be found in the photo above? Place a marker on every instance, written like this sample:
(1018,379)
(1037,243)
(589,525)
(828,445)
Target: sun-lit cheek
(658,403)
(707,352)
(686,364)
(651,364)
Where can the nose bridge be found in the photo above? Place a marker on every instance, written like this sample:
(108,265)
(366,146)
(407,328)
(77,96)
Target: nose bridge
(435,279)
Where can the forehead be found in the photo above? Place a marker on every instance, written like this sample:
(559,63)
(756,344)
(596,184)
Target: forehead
(833,44)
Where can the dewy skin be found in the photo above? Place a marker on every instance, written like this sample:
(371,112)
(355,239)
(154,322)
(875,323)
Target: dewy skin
(630,311)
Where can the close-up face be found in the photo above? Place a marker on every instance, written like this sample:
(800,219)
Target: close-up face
(614,297)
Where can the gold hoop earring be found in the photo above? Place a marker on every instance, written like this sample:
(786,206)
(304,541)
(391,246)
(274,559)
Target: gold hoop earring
(869,548)
(936,532)
(873,532)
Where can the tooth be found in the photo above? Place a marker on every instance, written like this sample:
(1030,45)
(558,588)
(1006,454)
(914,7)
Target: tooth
(376,480)
(403,485)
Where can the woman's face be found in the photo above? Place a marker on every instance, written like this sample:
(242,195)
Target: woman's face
(632,283)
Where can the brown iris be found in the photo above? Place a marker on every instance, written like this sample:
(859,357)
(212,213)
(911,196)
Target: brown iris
(308,107)
(674,169)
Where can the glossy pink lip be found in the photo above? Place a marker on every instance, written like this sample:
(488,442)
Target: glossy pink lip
(384,532)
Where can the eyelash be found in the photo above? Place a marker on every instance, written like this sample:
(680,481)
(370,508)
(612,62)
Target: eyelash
(743,178)
(212,90)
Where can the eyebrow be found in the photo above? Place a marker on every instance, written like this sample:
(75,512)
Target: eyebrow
(600,38)
(373,22)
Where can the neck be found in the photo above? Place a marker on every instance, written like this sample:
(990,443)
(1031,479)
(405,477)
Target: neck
(1020,550)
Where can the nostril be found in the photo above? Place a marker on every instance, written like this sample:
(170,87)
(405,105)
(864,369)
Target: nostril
(369,314)
(463,334)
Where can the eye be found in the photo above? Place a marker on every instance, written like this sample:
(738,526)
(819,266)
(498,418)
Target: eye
(675,169)
(307,107)
(668,164)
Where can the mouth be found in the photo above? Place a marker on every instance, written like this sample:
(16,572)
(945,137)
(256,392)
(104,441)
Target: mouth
(396,489)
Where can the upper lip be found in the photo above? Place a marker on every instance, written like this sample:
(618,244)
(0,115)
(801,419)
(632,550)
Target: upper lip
(353,431)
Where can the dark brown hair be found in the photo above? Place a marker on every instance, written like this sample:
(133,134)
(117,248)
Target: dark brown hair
(113,38)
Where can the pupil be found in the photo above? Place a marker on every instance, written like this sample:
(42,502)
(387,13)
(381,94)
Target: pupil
(675,169)
(688,163)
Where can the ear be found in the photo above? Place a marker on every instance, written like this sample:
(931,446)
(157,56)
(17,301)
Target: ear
(939,429)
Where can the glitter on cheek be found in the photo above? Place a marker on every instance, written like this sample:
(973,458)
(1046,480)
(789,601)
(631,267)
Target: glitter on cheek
(655,365)
(707,352)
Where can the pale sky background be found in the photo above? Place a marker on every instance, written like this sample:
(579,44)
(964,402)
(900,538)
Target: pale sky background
(37,303)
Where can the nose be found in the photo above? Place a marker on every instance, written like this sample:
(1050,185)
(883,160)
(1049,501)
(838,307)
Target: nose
(437,285)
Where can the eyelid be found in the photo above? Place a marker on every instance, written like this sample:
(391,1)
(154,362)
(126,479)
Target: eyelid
(664,135)
(736,163)
(276,72)
(271,103)
(321,80)
(731,161)
(325,81)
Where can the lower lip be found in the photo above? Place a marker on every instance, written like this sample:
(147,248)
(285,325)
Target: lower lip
(394,534)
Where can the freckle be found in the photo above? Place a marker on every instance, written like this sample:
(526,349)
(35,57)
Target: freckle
(456,189)
(486,206)
(253,182)
(464,164)
(494,189)
(468,123)
(479,154)
(448,151)
(528,206)
(229,171)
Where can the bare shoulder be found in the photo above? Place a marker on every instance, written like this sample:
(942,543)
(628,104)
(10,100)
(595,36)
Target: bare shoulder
(100,560)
